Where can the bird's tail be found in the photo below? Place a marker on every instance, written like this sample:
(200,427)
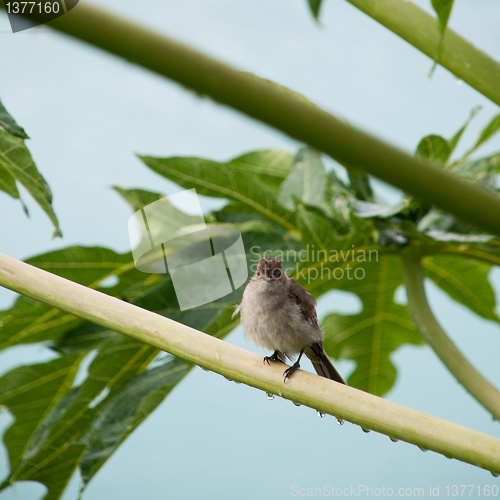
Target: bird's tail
(321,363)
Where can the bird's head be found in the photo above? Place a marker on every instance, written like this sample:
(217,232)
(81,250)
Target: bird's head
(270,270)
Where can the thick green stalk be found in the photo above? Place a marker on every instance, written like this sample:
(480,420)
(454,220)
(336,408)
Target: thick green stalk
(421,30)
(370,412)
(284,110)
(431,331)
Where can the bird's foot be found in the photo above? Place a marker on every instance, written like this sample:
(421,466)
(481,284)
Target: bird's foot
(288,372)
(273,357)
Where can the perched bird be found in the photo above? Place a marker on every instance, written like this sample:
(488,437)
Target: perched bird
(279,315)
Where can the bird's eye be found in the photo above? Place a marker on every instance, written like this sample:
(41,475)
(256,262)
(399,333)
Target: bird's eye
(258,273)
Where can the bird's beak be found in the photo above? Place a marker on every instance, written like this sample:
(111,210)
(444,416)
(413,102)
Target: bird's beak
(268,278)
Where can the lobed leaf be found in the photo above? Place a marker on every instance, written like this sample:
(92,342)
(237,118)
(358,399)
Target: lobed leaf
(454,140)
(434,148)
(315,5)
(306,183)
(226,180)
(10,125)
(31,393)
(271,167)
(29,321)
(118,415)
(46,458)
(138,198)
(465,280)
(370,337)
(360,184)
(17,164)
(443,11)
(487,133)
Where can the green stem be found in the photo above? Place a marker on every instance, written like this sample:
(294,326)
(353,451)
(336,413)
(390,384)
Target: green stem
(421,30)
(366,410)
(285,110)
(431,331)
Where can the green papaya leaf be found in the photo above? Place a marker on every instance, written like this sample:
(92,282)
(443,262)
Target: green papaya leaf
(94,418)
(16,163)
(360,184)
(465,280)
(306,183)
(370,337)
(271,167)
(31,393)
(487,133)
(328,258)
(122,411)
(454,140)
(8,184)
(223,180)
(83,338)
(318,231)
(443,11)
(10,125)
(237,215)
(483,171)
(119,360)
(138,198)
(315,5)
(29,321)
(118,415)
(436,223)
(434,148)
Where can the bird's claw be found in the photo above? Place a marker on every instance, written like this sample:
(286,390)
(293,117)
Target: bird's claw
(288,372)
(273,357)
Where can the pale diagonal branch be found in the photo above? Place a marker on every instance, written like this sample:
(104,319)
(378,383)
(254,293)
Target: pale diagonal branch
(368,411)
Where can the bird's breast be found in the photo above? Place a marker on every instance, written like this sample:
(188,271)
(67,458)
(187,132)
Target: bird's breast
(274,321)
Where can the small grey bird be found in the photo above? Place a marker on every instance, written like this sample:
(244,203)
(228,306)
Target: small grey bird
(279,315)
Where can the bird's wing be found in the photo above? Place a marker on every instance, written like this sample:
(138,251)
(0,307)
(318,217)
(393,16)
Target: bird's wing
(305,301)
